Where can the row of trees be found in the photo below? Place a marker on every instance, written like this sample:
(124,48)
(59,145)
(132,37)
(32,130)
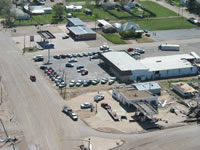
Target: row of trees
(194,6)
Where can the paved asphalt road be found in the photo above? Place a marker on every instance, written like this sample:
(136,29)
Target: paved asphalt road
(37,105)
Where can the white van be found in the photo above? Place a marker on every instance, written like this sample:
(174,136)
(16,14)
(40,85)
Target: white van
(169,47)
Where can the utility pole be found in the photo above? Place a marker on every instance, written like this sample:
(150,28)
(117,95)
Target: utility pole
(1,92)
(65,86)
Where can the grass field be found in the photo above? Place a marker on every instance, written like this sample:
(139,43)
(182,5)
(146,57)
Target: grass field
(138,12)
(159,10)
(120,13)
(164,24)
(114,38)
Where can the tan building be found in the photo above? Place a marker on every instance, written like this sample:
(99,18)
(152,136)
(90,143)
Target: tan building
(183,89)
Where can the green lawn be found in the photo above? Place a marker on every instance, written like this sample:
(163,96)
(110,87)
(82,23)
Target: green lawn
(114,38)
(164,24)
(120,13)
(159,10)
(138,12)
(99,12)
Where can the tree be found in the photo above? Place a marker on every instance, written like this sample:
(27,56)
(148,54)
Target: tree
(192,5)
(5,6)
(130,34)
(97,2)
(59,11)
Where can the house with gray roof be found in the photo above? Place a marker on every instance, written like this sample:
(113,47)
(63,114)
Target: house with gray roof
(131,26)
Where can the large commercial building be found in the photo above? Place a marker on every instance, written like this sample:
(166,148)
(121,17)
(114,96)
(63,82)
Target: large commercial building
(126,68)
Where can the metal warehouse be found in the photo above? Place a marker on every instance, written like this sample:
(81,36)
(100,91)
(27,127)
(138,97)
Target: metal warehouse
(126,68)
(82,33)
(74,22)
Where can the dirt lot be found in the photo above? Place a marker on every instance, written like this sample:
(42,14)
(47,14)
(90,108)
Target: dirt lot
(107,143)
(100,119)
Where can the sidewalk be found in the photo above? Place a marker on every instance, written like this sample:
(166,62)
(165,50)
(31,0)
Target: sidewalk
(179,10)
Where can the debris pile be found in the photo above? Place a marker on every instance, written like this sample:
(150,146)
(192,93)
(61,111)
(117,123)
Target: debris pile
(194,112)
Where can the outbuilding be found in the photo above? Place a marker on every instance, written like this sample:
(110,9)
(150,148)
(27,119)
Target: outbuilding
(82,33)
(183,89)
(152,87)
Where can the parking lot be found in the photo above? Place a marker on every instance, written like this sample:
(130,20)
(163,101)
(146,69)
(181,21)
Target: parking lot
(74,73)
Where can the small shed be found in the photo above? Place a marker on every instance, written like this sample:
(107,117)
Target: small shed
(152,87)
(74,22)
(184,90)
(117,26)
(47,10)
(108,29)
(102,23)
(74,8)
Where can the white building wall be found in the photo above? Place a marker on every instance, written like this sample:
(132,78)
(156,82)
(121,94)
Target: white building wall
(121,98)
(142,74)
(178,72)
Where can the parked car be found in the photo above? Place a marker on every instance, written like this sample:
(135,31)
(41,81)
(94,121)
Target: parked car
(84,72)
(192,20)
(86,83)
(62,85)
(90,53)
(65,37)
(71,84)
(79,67)
(85,54)
(110,82)
(96,56)
(68,111)
(69,55)
(38,58)
(104,81)
(139,50)
(86,105)
(69,65)
(43,67)
(80,55)
(72,60)
(99,97)
(130,49)
(95,82)
(32,78)
(104,47)
(56,56)
(63,56)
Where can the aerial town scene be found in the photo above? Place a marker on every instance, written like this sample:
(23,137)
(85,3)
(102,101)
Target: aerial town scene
(99,74)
